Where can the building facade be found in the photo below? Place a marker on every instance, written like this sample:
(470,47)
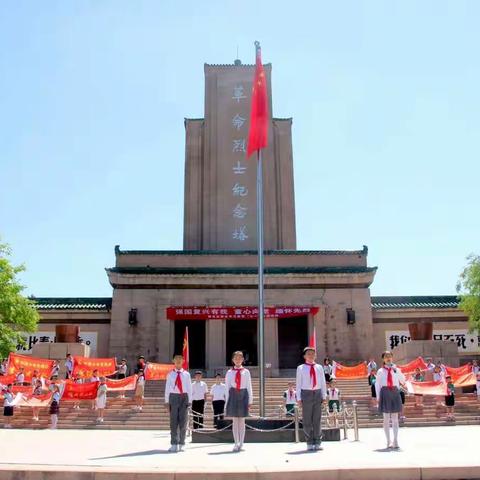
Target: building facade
(211,285)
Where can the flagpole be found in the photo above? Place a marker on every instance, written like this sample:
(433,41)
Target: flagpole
(261,318)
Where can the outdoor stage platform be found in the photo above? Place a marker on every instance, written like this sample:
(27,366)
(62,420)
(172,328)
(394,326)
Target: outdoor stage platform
(427,453)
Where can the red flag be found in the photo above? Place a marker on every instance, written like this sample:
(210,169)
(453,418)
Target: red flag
(312,341)
(186,350)
(258,133)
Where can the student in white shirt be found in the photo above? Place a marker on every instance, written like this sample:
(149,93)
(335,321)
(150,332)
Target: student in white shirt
(290,399)
(311,395)
(121,374)
(101,400)
(20,380)
(333,394)
(199,396)
(238,383)
(55,369)
(478,386)
(371,365)
(139,391)
(8,406)
(55,407)
(178,396)
(219,396)
(68,366)
(387,383)
(94,378)
(476,371)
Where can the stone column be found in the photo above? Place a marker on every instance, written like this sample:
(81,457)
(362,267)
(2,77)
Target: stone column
(215,345)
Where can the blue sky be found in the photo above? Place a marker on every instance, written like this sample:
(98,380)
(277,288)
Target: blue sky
(385,102)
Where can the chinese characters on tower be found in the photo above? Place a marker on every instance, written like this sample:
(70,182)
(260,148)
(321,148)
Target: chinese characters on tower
(240,191)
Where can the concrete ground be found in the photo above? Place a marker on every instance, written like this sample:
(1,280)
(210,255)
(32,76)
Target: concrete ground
(426,453)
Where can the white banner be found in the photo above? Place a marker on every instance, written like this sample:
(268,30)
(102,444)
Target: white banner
(466,342)
(88,338)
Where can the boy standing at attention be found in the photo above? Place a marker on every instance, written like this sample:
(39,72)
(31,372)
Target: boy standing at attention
(178,396)
(311,395)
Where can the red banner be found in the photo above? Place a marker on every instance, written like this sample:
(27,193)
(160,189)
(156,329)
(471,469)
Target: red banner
(128,383)
(36,400)
(29,364)
(157,371)
(26,390)
(410,367)
(466,380)
(357,371)
(457,372)
(80,391)
(427,388)
(239,313)
(7,379)
(84,366)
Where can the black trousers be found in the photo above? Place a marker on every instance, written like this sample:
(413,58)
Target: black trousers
(198,406)
(218,411)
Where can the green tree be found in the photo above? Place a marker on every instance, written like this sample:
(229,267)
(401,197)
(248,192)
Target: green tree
(468,287)
(17,313)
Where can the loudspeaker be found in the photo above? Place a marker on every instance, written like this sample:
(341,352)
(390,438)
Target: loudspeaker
(350,316)
(132,317)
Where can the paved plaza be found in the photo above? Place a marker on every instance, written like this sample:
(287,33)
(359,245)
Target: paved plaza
(427,453)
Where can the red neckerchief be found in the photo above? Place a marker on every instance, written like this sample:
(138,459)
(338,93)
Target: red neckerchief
(313,374)
(238,377)
(389,377)
(178,381)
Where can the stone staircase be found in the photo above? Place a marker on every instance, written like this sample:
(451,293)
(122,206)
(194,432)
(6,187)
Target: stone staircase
(119,413)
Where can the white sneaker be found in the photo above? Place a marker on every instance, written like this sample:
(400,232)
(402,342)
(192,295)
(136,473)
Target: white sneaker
(236,448)
(181,448)
(318,447)
(173,449)
(310,448)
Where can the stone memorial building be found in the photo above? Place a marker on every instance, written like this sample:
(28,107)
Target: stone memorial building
(211,285)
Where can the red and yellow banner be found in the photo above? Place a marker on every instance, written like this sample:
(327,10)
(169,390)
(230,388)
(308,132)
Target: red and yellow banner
(29,364)
(80,391)
(157,371)
(410,367)
(357,371)
(128,383)
(84,366)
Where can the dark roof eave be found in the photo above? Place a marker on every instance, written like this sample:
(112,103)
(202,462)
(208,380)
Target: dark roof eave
(73,303)
(118,251)
(414,302)
(239,270)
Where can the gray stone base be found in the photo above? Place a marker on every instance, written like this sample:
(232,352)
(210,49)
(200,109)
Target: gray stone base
(252,436)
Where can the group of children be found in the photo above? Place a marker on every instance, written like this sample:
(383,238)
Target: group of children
(236,395)
(333,397)
(234,398)
(53,385)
